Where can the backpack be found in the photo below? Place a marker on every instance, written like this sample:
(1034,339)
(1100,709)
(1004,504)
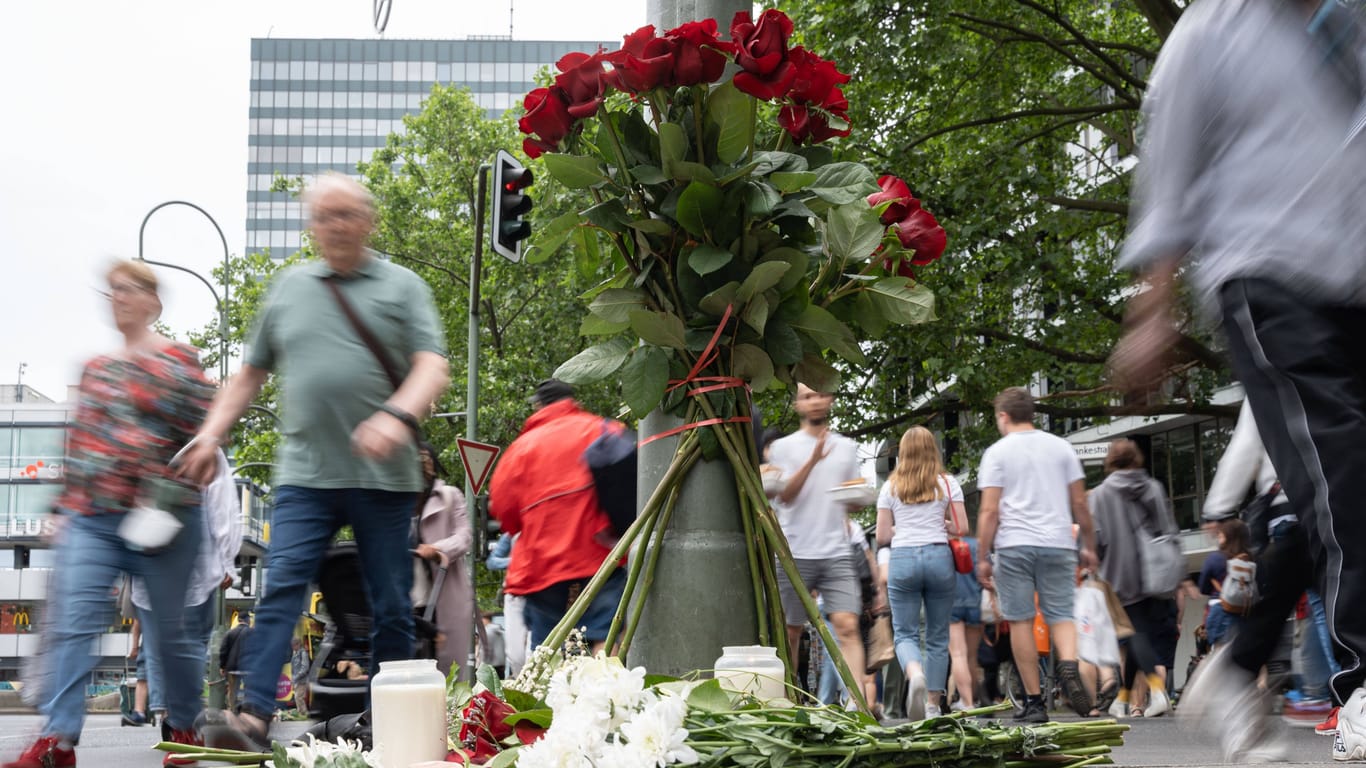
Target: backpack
(611,459)
(1239,590)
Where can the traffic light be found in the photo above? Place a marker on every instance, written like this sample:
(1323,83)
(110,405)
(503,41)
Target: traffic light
(510,205)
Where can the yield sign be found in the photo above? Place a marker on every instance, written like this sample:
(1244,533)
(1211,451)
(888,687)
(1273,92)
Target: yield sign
(478,460)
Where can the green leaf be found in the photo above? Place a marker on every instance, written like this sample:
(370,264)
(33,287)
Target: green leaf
(686,170)
(648,174)
(715,303)
(753,364)
(729,109)
(673,144)
(540,716)
(770,162)
(615,304)
(610,215)
(760,199)
(902,301)
(281,759)
(708,696)
(548,239)
(843,183)
(652,226)
(573,171)
(853,231)
(868,315)
(783,344)
(765,275)
(644,379)
(593,325)
(595,363)
(796,261)
(814,372)
(828,332)
(487,676)
(505,759)
(698,205)
(756,313)
(788,182)
(706,259)
(520,700)
(588,256)
(663,329)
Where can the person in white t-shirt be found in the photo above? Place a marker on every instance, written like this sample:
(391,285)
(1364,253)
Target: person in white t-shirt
(813,461)
(1033,489)
(916,509)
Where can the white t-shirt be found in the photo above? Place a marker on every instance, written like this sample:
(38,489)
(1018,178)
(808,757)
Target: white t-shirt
(813,523)
(1033,469)
(916,525)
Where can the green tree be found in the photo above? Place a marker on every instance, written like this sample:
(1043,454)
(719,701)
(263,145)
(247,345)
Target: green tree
(1016,122)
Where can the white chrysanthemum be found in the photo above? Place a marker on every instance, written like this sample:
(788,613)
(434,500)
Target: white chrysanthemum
(658,733)
(622,756)
(554,750)
(309,752)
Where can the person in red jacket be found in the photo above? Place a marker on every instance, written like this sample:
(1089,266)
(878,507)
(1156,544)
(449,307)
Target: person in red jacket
(542,489)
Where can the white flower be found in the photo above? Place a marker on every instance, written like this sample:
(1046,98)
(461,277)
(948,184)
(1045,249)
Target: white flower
(621,755)
(658,733)
(308,753)
(554,750)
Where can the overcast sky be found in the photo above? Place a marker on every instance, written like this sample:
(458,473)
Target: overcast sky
(113,106)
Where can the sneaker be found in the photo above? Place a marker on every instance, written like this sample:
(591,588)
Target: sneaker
(932,710)
(1222,698)
(958,706)
(1119,709)
(1306,713)
(1329,726)
(1158,703)
(1073,687)
(1105,697)
(191,738)
(135,719)
(1034,712)
(45,754)
(916,696)
(1349,743)
(229,730)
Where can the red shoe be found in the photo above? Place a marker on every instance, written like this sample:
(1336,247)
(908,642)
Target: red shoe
(1328,727)
(45,754)
(182,737)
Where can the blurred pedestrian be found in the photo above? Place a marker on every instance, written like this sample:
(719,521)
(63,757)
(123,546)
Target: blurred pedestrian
(137,406)
(516,638)
(813,461)
(444,537)
(965,633)
(358,345)
(1033,488)
(543,493)
(1253,157)
(1128,507)
(918,508)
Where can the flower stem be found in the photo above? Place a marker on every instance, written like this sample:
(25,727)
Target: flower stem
(651,556)
(753,124)
(698,99)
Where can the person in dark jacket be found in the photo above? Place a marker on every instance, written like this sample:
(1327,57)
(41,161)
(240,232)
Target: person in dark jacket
(1127,505)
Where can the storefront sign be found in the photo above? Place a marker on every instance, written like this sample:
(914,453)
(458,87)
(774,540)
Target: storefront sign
(1092,451)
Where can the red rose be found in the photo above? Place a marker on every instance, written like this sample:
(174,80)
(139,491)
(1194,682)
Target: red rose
(582,80)
(699,57)
(547,117)
(894,189)
(761,53)
(644,62)
(921,232)
(802,122)
(903,268)
(816,81)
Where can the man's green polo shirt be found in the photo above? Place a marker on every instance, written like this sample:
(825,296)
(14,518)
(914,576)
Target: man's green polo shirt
(330,381)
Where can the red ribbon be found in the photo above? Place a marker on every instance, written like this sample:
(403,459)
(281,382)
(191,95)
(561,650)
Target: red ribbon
(708,356)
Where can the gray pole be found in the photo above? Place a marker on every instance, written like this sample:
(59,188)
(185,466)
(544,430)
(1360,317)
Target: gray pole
(702,581)
(472,401)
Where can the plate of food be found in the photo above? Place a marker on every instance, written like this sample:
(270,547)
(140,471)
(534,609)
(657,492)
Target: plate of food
(856,492)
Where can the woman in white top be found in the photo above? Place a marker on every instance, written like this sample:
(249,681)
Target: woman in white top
(918,508)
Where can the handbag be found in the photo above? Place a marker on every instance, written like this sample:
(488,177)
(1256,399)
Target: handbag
(1096,640)
(155,521)
(1160,558)
(962,551)
(611,460)
(423,448)
(878,648)
(991,609)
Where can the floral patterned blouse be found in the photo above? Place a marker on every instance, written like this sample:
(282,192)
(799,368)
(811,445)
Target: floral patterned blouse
(133,415)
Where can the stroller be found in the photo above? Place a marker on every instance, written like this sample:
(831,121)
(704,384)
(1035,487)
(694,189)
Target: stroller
(334,688)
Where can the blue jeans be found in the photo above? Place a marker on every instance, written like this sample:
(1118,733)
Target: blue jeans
(1220,625)
(544,609)
(922,576)
(197,623)
(302,526)
(90,556)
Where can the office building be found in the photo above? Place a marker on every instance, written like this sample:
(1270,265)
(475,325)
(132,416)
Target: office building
(320,105)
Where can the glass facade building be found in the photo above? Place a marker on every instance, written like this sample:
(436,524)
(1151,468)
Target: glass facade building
(320,105)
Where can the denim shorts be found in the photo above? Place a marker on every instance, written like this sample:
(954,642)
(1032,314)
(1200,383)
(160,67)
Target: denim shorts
(966,614)
(1021,572)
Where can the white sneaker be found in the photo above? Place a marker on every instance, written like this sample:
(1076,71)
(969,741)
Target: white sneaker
(1119,709)
(932,710)
(1223,699)
(958,706)
(1158,703)
(1349,744)
(916,696)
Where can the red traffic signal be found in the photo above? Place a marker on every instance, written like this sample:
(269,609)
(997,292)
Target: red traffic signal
(509,205)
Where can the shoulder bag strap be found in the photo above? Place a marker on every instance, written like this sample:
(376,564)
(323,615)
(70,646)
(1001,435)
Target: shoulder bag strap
(364,333)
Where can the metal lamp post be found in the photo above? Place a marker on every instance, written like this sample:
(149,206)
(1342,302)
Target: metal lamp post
(222,303)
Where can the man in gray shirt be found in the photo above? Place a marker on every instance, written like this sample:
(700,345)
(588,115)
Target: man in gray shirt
(349,454)
(1253,162)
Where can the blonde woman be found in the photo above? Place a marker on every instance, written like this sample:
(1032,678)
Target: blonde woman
(919,507)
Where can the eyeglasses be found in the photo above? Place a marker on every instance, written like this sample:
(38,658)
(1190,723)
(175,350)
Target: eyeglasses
(343,215)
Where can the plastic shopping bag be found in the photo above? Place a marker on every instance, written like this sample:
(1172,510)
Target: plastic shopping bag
(1096,642)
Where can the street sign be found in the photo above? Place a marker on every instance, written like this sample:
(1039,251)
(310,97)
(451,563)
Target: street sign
(478,460)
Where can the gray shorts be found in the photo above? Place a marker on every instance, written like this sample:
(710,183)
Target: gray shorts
(835,580)
(1021,572)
